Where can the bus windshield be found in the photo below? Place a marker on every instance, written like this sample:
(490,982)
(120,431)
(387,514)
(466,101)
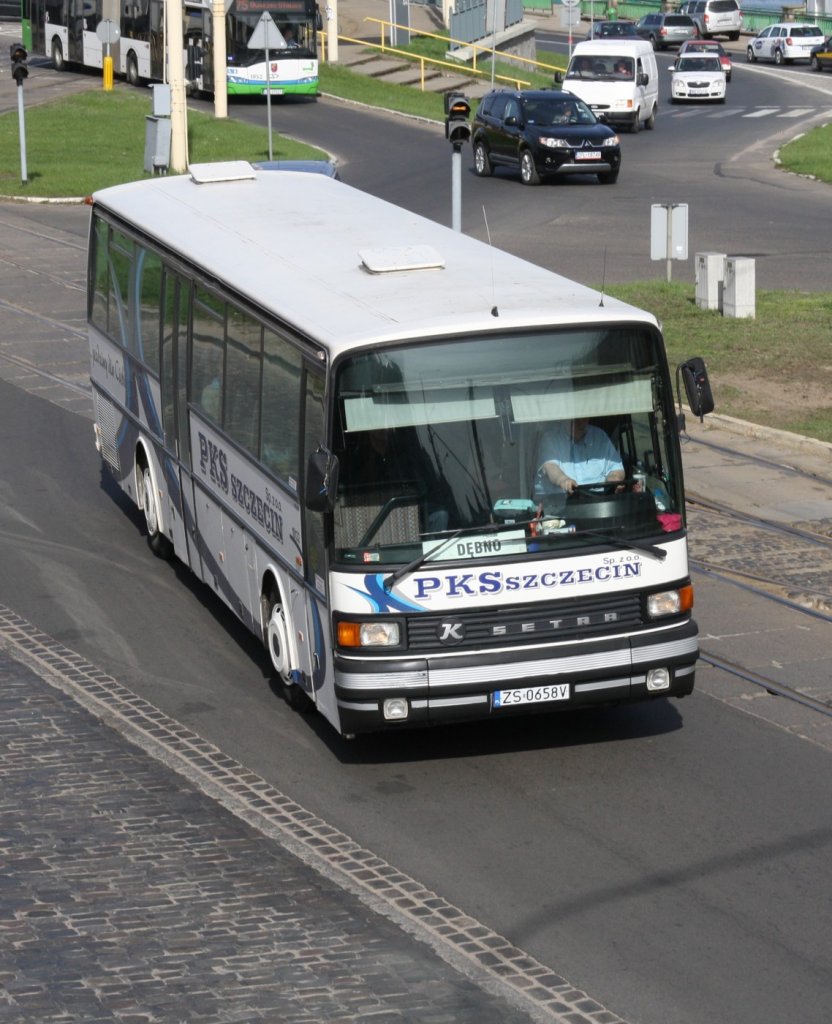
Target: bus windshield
(446,439)
(292,33)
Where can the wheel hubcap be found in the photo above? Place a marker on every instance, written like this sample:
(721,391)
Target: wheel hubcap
(149,503)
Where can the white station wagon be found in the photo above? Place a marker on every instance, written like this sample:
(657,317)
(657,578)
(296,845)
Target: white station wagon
(784,43)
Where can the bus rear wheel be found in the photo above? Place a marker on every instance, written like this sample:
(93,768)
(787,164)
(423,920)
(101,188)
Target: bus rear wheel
(159,544)
(276,639)
(58,61)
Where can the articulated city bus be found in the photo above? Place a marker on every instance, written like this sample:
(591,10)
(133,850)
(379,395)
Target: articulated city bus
(342,427)
(65,31)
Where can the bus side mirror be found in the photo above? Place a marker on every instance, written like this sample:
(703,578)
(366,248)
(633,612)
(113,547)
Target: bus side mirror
(558,77)
(697,386)
(321,480)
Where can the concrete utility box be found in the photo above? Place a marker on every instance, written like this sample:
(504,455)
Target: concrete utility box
(739,291)
(710,275)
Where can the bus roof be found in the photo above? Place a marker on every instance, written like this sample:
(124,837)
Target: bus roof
(344,267)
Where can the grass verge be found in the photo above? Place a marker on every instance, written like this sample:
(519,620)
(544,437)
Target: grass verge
(95,139)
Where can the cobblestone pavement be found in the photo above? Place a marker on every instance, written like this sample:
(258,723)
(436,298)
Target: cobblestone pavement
(147,877)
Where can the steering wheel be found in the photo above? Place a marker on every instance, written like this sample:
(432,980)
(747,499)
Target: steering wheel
(595,492)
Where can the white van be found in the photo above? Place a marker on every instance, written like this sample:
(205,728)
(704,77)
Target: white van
(618,79)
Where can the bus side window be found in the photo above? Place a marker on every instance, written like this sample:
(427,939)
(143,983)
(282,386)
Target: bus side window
(148,320)
(242,379)
(281,398)
(101,285)
(120,256)
(206,359)
(313,434)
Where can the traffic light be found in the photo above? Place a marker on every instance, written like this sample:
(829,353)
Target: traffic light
(457,112)
(19,56)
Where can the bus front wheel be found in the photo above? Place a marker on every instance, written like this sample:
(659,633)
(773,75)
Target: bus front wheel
(58,61)
(276,638)
(132,72)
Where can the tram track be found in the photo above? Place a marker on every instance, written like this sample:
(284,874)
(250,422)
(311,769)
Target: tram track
(761,460)
(788,563)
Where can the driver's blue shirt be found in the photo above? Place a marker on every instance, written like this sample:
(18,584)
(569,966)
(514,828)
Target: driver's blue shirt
(588,461)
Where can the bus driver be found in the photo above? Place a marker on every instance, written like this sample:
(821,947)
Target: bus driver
(573,452)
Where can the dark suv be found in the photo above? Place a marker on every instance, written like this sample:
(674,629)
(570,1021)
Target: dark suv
(543,133)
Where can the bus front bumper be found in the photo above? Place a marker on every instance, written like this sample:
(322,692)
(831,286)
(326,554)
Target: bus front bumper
(375,694)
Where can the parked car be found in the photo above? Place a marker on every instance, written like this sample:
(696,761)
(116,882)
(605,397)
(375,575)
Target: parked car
(613,30)
(822,55)
(663,30)
(697,76)
(785,42)
(543,133)
(714,17)
(710,46)
(325,167)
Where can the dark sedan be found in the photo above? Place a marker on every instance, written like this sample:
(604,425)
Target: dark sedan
(613,30)
(543,133)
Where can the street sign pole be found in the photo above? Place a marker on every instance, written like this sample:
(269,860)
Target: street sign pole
(572,7)
(669,233)
(269,100)
(266,36)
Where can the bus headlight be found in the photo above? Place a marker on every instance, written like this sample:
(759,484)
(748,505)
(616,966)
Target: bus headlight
(658,679)
(669,602)
(369,634)
(395,709)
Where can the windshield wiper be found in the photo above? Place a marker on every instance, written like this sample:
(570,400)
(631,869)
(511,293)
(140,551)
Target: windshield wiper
(426,556)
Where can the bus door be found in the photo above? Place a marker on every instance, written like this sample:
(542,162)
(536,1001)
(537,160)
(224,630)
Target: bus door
(173,380)
(37,14)
(75,31)
(316,660)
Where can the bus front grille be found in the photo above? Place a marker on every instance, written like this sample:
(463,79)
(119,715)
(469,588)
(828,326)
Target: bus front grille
(528,624)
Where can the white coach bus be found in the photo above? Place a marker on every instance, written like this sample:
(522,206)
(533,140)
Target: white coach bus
(335,412)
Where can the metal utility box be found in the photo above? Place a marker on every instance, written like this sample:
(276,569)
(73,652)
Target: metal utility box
(739,291)
(156,144)
(710,276)
(161,99)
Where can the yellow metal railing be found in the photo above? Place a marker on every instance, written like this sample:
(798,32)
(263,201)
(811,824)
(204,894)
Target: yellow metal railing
(475,48)
(459,67)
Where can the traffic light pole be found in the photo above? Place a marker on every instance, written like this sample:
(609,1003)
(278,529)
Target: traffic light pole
(21,117)
(457,132)
(456,187)
(19,56)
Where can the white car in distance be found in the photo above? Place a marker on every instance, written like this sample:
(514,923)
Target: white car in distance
(697,76)
(784,43)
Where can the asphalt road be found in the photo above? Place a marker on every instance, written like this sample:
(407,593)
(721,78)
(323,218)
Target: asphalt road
(717,159)
(671,859)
